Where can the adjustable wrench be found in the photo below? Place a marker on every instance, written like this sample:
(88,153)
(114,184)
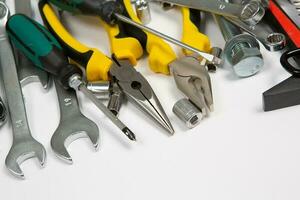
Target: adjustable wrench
(73,124)
(26,71)
(24,145)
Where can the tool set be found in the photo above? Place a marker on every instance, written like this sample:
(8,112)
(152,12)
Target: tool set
(30,52)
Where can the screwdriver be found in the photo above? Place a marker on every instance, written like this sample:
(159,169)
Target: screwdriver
(37,43)
(110,12)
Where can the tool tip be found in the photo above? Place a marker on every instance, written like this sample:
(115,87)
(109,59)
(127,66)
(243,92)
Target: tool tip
(129,134)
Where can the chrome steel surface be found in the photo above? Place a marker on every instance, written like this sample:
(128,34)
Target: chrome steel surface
(241,50)
(72,126)
(193,80)
(188,113)
(101,89)
(24,146)
(138,90)
(27,72)
(116,99)
(143,12)
(250,13)
(76,83)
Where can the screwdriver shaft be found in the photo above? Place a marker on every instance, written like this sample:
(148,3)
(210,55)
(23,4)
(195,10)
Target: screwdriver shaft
(107,112)
(209,57)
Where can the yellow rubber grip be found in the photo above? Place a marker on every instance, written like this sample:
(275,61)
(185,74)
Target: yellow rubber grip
(191,34)
(123,47)
(160,53)
(96,63)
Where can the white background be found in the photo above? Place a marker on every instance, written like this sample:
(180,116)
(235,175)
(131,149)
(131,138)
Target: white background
(240,152)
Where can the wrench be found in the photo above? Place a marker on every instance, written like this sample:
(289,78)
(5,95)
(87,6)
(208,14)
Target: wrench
(73,124)
(24,145)
(250,13)
(26,71)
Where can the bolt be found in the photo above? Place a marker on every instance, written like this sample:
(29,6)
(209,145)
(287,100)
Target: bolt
(241,50)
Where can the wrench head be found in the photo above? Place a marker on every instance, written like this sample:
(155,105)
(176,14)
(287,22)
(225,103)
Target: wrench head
(22,151)
(70,130)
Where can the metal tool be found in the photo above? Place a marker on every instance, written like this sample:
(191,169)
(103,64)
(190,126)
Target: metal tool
(251,13)
(286,14)
(185,110)
(291,8)
(3,113)
(110,11)
(101,89)
(241,50)
(116,99)
(286,93)
(24,145)
(142,9)
(125,50)
(194,81)
(37,43)
(138,90)
(73,124)
(26,71)
(264,32)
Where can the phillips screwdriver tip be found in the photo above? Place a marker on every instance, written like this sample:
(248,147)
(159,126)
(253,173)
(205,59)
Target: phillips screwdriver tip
(129,134)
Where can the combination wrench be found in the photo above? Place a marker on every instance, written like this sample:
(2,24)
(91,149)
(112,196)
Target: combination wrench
(73,124)
(251,13)
(24,146)
(26,71)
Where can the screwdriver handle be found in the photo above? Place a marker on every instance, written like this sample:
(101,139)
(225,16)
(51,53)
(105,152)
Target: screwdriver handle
(103,8)
(80,53)
(37,44)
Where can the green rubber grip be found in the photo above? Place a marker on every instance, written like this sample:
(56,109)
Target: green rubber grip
(34,40)
(39,46)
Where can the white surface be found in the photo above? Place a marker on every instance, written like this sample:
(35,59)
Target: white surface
(240,152)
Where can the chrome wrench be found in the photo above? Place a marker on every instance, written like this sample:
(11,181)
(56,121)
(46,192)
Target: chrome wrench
(250,13)
(73,124)
(26,71)
(24,145)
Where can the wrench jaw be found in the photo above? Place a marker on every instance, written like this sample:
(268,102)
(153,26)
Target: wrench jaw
(17,156)
(62,138)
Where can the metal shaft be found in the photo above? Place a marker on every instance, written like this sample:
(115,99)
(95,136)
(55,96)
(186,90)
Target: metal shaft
(107,112)
(205,55)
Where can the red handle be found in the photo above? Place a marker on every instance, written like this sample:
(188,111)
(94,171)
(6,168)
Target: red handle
(289,27)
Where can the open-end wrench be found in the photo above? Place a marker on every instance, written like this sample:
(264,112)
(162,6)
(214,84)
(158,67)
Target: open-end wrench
(73,124)
(251,13)
(26,71)
(24,145)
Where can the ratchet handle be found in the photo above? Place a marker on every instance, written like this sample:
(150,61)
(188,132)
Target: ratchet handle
(37,44)
(97,64)
(191,33)
(160,53)
(103,8)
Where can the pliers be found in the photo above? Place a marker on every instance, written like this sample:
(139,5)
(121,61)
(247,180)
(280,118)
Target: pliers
(125,51)
(190,76)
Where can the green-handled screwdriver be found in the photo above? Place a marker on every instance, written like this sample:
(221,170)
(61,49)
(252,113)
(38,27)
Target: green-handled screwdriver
(112,11)
(37,43)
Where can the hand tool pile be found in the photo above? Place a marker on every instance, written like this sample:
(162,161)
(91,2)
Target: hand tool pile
(32,52)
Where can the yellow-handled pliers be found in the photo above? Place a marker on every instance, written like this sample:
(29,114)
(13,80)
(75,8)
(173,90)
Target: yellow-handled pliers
(125,51)
(190,76)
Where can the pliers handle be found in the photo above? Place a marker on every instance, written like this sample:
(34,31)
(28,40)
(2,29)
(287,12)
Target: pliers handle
(96,63)
(160,53)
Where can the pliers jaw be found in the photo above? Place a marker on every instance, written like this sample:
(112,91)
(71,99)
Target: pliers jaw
(193,80)
(138,90)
